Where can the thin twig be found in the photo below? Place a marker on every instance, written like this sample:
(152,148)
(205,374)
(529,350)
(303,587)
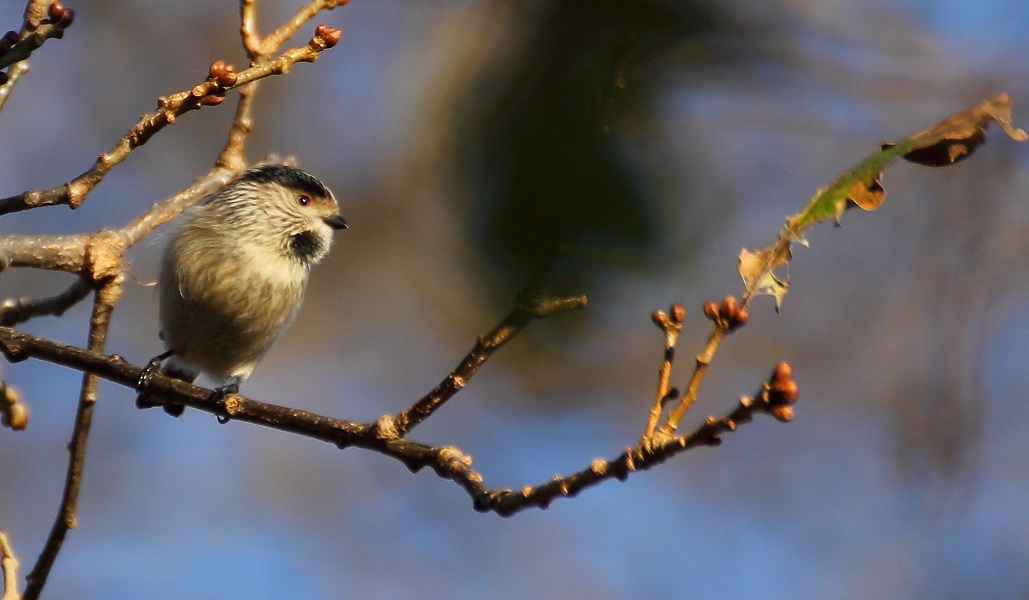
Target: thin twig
(671,324)
(641,458)
(690,395)
(727,317)
(13,312)
(305,13)
(248,29)
(31,42)
(211,91)
(528,308)
(103,305)
(95,256)
(168,209)
(14,74)
(231,157)
(35,33)
(9,565)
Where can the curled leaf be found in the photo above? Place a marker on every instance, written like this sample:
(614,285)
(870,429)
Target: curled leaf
(758,271)
(958,136)
(952,140)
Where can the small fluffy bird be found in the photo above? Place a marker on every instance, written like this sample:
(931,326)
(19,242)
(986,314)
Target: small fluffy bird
(234,274)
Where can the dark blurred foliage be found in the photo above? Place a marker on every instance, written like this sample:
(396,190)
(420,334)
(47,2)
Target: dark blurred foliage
(544,148)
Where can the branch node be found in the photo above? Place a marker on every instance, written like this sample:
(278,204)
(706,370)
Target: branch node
(232,405)
(451,458)
(386,428)
(104,253)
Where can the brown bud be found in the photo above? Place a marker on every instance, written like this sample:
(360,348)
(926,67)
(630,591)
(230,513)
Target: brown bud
(660,318)
(227,79)
(738,319)
(212,99)
(66,18)
(678,313)
(711,310)
(223,73)
(788,391)
(55,11)
(782,413)
(329,35)
(783,372)
(729,307)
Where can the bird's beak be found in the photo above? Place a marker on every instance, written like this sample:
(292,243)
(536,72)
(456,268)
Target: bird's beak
(336,222)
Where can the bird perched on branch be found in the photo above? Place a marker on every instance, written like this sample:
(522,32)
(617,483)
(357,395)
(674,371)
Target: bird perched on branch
(234,274)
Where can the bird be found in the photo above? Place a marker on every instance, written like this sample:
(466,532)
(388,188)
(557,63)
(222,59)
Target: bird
(233,275)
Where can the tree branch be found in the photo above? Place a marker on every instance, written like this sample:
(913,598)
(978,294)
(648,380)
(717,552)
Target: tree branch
(446,461)
(210,92)
(258,48)
(13,312)
(32,38)
(103,305)
(528,307)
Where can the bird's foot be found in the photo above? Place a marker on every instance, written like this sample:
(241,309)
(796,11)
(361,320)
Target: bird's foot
(152,367)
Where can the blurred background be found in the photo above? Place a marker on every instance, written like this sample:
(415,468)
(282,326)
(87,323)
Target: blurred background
(622,150)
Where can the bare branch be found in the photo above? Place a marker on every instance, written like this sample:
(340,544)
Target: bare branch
(17,346)
(248,29)
(27,44)
(210,92)
(95,256)
(103,306)
(164,211)
(528,308)
(671,324)
(231,156)
(644,456)
(727,317)
(260,48)
(13,312)
(447,462)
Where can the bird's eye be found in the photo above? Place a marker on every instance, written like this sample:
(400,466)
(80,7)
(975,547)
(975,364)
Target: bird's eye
(304,199)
